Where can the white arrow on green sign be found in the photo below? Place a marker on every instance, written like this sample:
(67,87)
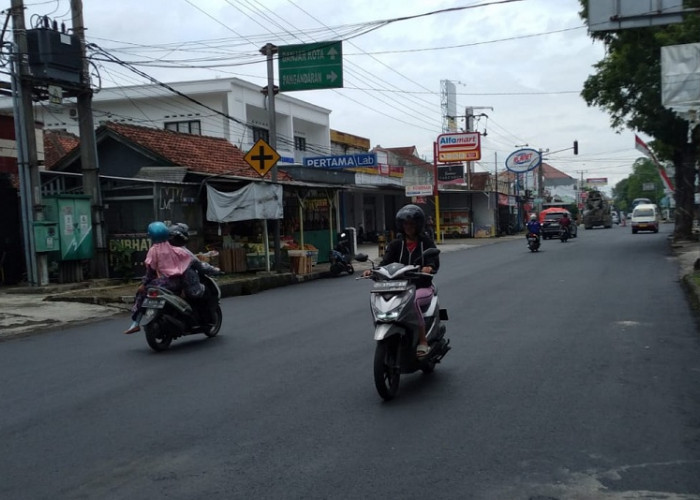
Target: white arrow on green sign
(310,66)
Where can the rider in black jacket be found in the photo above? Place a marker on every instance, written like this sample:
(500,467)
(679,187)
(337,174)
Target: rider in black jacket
(408,248)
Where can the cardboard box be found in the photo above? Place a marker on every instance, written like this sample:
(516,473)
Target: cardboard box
(300,264)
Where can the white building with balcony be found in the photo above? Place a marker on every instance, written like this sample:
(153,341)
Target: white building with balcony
(230,108)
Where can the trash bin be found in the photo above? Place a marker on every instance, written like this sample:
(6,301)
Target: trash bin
(352,238)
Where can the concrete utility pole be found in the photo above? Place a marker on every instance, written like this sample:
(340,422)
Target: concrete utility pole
(269,50)
(37,264)
(469,127)
(540,181)
(88,150)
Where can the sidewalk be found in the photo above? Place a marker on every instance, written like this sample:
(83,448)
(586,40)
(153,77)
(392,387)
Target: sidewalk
(25,310)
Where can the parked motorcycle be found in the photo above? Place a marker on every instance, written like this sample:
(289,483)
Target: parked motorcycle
(167,316)
(396,325)
(341,256)
(533,242)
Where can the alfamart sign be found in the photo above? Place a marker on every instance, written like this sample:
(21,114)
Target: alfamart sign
(523,160)
(464,146)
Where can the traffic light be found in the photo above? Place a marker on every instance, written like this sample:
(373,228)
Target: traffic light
(575,147)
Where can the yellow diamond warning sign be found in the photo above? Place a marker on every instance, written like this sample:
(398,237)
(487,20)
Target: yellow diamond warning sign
(261,157)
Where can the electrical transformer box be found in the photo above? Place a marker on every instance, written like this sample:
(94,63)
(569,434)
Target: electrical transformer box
(55,56)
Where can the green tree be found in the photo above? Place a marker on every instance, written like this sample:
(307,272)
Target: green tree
(627,85)
(644,172)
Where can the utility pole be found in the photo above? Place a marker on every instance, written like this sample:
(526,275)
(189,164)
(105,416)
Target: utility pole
(540,181)
(496,222)
(269,50)
(88,150)
(580,187)
(469,127)
(37,264)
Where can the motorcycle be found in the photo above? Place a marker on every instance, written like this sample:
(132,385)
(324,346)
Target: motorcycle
(167,316)
(396,325)
(564,234)
(341,256)
(533,242)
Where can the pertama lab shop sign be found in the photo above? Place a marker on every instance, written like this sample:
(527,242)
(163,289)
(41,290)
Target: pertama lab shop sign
(523,160)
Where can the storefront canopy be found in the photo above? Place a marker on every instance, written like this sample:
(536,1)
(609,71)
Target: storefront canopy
(254,201)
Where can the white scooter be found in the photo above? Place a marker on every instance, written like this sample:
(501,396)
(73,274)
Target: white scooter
(396,324)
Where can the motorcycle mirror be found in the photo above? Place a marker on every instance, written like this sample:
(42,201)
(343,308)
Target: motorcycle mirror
(431,252)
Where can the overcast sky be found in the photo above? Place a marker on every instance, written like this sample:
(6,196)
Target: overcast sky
(522,63)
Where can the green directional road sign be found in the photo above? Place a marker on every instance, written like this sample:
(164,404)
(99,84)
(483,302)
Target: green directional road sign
(311,66)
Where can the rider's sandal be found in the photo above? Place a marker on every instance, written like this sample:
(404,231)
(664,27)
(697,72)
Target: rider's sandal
(422,350)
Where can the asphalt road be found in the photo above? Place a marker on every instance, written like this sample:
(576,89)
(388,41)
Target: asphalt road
(574,374)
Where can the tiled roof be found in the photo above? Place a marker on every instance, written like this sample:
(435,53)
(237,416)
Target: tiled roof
(58,144)
(549,172)
(199,153)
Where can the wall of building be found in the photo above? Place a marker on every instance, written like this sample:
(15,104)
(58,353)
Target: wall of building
(153,106)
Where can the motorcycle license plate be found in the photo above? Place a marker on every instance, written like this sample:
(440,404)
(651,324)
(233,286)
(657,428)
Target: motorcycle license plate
(390,286)
(154,303)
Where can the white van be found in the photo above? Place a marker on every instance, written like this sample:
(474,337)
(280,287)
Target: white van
(645,217)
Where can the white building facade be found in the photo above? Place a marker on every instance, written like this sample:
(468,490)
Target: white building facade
(230,108)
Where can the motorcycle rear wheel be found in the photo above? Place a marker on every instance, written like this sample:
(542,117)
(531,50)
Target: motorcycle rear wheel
(156,336)
(387,368)
(216,326)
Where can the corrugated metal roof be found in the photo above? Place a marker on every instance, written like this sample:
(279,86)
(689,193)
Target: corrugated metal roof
(173,174)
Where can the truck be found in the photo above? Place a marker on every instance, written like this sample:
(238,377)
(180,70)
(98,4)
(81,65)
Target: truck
(597,211)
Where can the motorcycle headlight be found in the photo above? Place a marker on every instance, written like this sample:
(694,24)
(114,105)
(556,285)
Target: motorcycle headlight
(388,316)
(388,307)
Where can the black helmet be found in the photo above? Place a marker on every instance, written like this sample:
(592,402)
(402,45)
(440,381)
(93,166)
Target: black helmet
(179,234)
(413,213)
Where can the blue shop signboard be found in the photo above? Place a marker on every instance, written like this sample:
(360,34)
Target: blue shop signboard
(344,161)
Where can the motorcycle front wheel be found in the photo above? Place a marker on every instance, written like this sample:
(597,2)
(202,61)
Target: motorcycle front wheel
(387,367)
(158,339)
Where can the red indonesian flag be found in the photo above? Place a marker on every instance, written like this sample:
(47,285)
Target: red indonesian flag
(640,145)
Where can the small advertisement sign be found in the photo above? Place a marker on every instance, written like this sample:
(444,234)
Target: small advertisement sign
(597,181)
(452,173)
(419,190)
